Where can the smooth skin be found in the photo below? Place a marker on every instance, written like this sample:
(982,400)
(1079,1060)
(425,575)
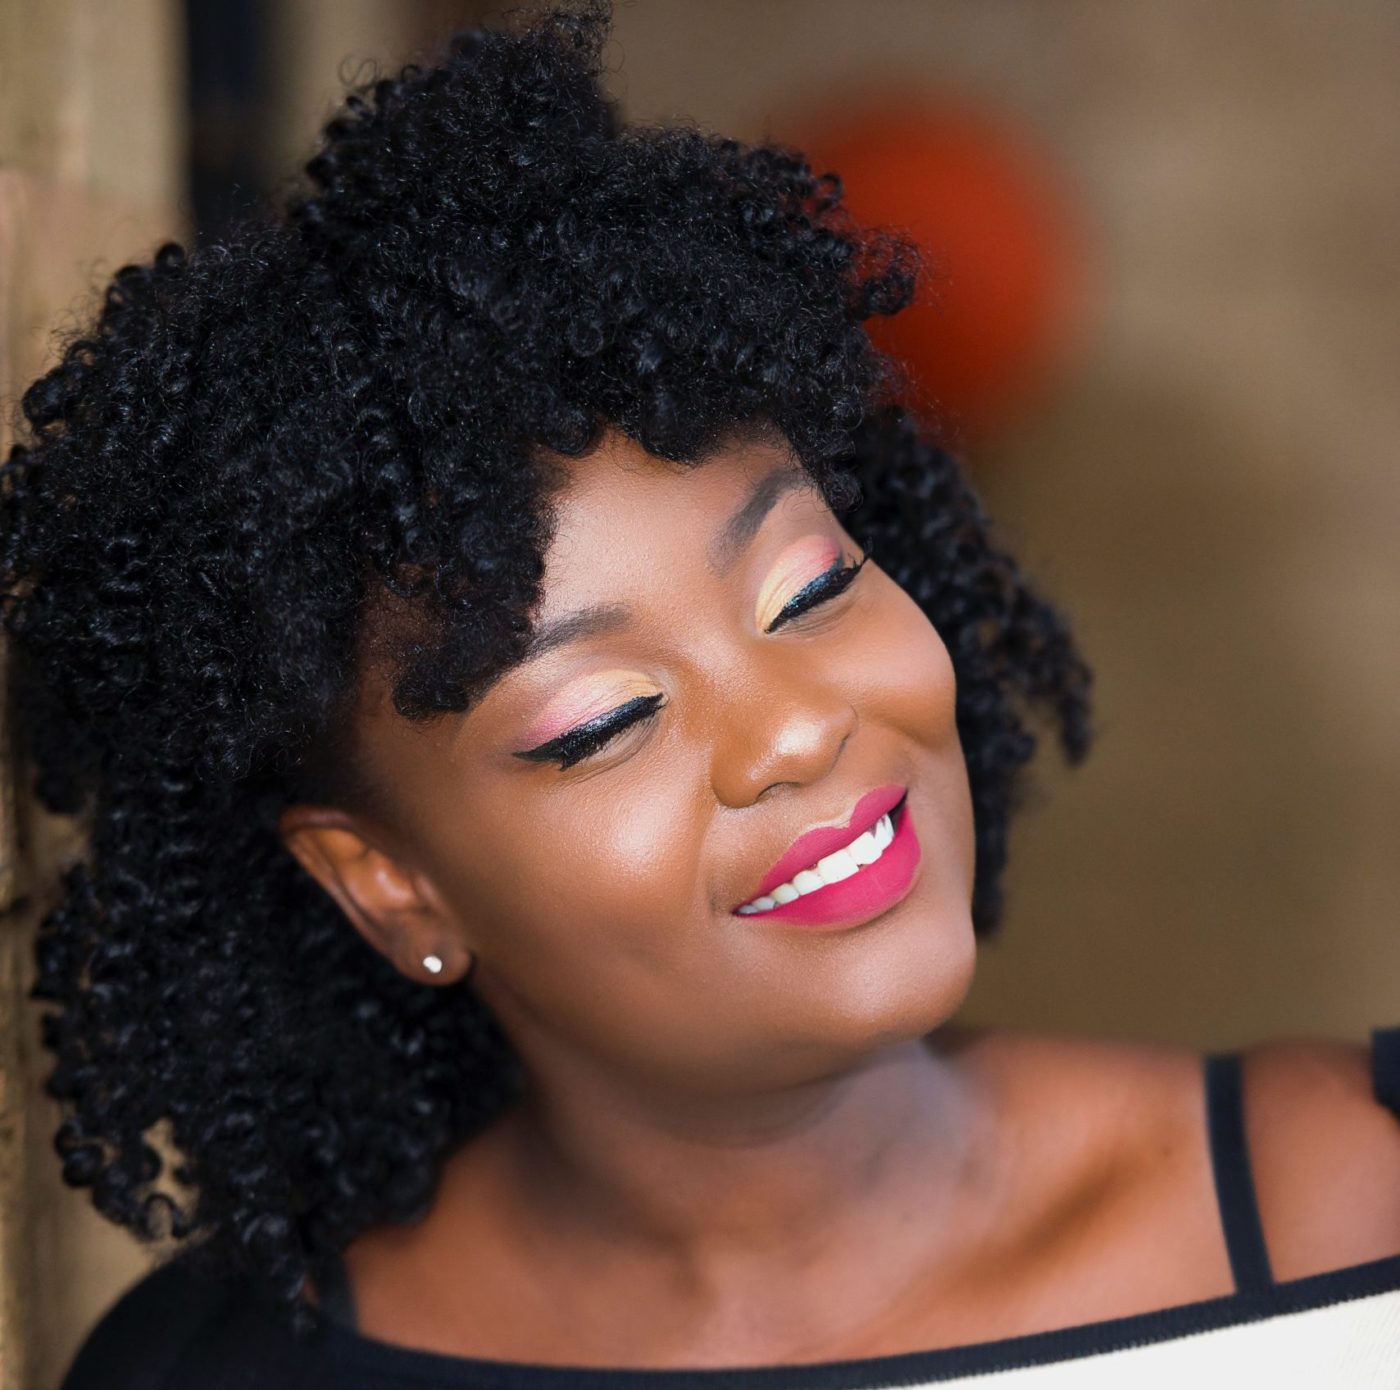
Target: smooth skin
(746,1143)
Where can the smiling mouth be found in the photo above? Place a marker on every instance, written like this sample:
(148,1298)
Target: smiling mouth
(852,859)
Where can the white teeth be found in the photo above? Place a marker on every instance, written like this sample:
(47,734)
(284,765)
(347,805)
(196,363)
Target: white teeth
(884,832)
(865,849)
(763,904)
(836,867)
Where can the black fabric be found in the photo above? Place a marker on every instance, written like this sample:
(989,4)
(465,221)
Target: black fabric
(177,1330)
(333,1291)
(1234,1182)
(1385,1067)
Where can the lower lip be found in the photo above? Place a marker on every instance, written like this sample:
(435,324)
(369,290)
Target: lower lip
(874,889)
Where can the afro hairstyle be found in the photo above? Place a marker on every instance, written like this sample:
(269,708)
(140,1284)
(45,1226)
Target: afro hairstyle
(350,395)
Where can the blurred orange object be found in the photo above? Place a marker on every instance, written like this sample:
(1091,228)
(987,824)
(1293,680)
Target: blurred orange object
(1003,254)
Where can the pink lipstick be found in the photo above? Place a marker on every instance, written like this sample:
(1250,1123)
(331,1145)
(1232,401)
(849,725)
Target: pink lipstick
(841,876)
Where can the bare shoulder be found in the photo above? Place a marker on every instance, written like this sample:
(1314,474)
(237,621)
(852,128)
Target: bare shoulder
(1325,1154)
(1110,1136)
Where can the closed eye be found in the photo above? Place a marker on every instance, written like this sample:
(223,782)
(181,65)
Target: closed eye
(824,587)
(587,738)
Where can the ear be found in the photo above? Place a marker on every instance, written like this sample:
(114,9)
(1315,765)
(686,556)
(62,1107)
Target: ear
(392,906)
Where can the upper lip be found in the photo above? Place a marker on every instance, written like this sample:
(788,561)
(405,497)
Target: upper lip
(822,840)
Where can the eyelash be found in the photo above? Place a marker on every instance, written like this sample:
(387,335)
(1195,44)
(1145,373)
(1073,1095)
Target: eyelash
(587,738)
(825,586)
(590,736)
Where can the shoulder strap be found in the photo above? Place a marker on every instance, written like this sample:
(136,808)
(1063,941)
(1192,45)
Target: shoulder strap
(1385,1066)
(1234,1183)
(333,1287)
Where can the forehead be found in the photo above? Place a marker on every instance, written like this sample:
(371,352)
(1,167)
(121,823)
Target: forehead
(620,506)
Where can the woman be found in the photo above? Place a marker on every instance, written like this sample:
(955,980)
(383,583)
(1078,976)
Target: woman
(547,725)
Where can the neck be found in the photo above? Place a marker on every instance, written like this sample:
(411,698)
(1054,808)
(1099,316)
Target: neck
(878,1152)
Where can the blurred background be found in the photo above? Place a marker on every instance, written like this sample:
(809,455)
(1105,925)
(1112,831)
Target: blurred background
(1163,326)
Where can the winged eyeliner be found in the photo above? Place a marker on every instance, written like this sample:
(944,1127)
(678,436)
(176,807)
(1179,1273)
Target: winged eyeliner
(571,747)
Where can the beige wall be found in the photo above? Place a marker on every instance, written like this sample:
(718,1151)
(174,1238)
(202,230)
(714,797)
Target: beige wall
(90,143)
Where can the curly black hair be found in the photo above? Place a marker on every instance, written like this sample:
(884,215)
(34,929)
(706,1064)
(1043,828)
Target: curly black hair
(353,394)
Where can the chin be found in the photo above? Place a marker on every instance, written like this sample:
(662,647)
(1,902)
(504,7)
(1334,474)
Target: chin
(896,981)
(915,981)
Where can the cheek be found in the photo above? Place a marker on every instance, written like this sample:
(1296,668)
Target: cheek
(922,700)
(596,923)
(906,674)
(576,890)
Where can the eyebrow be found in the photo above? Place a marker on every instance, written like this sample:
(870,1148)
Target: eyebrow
(742,527)
(724,550)
(586,622)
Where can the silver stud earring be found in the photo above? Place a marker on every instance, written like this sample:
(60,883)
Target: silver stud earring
(433,963)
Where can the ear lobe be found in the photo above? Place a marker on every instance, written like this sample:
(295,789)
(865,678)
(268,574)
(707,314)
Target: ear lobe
(382,900)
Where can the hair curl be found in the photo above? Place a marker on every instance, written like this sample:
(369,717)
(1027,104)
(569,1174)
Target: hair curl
(249,440)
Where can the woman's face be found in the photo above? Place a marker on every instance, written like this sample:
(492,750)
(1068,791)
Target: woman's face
(597,879)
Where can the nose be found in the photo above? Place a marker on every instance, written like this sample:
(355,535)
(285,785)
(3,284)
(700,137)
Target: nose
(777,731)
